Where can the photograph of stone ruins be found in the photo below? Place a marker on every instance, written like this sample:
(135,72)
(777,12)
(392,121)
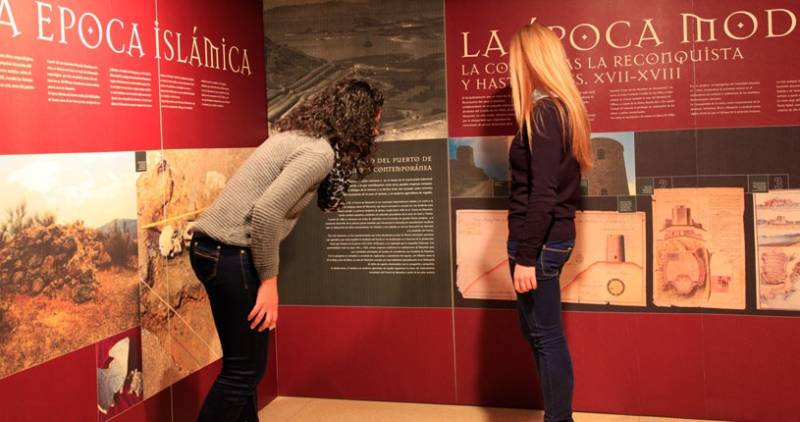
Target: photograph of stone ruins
(67,255)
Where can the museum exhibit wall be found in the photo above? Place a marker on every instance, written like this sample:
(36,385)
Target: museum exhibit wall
(681,295)
(121,121)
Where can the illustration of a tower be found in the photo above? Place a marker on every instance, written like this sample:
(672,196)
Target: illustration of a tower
(615,248)
(608,176)
(465,154)
(681,216)
(466,177)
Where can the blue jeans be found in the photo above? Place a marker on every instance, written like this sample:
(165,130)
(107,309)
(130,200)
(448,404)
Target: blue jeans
(540,319)
(231,281)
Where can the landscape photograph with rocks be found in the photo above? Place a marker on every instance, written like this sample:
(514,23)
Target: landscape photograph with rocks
(67,254)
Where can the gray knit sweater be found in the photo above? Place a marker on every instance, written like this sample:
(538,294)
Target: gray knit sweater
(262,201)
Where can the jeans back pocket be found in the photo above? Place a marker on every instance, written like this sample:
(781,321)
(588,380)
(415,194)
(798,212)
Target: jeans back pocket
(204,257)
(553,257)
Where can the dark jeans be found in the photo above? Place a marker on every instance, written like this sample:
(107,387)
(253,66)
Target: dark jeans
(231,281)
(540,319)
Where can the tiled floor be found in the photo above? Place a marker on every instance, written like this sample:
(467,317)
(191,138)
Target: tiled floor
(312,410)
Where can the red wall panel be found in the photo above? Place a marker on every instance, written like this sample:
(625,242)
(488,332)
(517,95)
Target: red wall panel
(65,387)
(751,367)
(725,367)
(126,73)
(399,354)
(670,364)
(156,408)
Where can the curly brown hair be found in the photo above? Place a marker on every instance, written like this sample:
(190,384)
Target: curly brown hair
(344,113)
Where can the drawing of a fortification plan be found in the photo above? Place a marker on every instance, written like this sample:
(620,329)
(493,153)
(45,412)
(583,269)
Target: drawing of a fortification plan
(607,264)
(777,226)
(698,248)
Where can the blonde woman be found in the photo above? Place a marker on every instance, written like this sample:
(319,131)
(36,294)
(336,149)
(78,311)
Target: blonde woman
(546,157)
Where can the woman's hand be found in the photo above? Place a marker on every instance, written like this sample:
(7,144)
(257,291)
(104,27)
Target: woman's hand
(524,279)
(265,313)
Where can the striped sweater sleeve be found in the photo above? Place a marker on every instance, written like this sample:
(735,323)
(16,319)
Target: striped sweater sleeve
(302,170)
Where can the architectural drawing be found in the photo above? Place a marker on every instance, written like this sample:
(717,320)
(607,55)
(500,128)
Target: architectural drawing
(698,254)
(777,226)
(481,258)
(607,264)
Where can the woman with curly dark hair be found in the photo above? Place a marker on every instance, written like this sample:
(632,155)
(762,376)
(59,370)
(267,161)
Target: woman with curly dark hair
(321,144)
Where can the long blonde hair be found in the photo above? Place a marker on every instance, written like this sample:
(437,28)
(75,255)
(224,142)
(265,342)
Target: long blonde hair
(537,61)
